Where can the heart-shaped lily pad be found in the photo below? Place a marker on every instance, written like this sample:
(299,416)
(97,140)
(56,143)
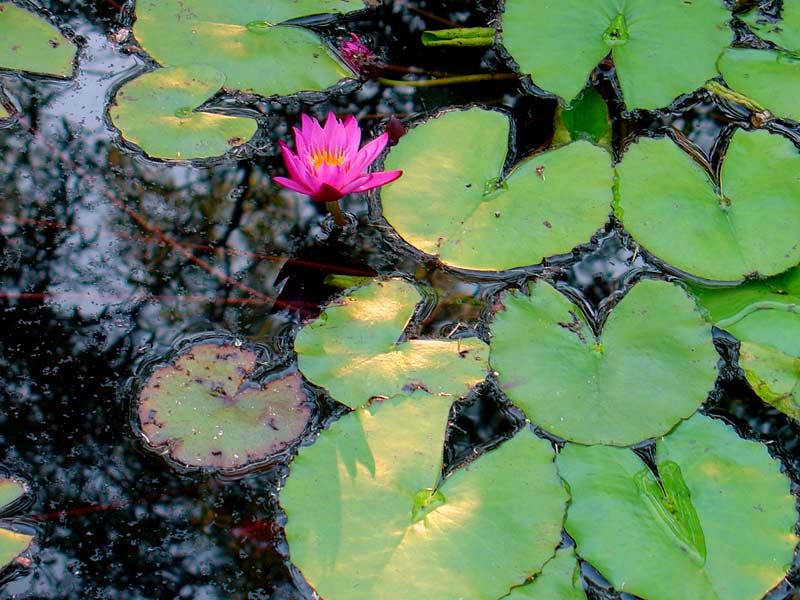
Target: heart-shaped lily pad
(785,32)
(451,203)
(618,388)
(368,517)
(669,203)
(560,43)
(157,113)
(765,317)
(12,543)
(29,43)
(718,523)
(354,349)
(770,77)
(560,580)
(205,410)
(240,38)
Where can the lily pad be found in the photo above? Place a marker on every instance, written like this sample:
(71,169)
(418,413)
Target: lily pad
(669,203)
(205,410)
(453,201)
(4,114)
(369,518)
(355,350)
(560,580)
(765,317)
(12,543)
(30,43)
(718,525)
(586,119)
(560,43)
(617,388)
(772,78)
(157,113)
(241,39)
(785,32)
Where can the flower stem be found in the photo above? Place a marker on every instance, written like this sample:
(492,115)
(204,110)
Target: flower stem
(449,80)
(336,213)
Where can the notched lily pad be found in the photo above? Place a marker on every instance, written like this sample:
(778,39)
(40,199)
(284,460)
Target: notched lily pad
(30,43)
(354,349)
(12,543)
(717,523)
(559,580)
(242,39)
(765,317)
(619,387)
(670,205)
(204,409)
(369,518)
(648,40)
(157,113)
(453,203)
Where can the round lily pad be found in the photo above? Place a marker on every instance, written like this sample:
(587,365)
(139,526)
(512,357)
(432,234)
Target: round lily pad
(368,517)
(30,43)
(355,350)
(560,43)
(157,113)
(453,202)
(765,317)
(669,204)
(785,32)
(718,523)
(617,388)
(241,39)
(12,543)
(770,77)
(560,580)
(204,409)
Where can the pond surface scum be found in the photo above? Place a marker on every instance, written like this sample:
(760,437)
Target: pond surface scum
(152,270)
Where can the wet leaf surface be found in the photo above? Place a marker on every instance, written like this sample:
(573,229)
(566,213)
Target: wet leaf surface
(366,518)
(12,543)
(29,43)
(453,201)
(784,32)
(648,41)
(617,388)
(669,204)
(205,410)
(720,524)
(355,351)
(157,112)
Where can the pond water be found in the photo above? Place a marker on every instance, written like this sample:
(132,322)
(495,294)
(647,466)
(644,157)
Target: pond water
(90,291)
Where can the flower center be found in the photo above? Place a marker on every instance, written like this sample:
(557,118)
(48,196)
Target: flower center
(329,156)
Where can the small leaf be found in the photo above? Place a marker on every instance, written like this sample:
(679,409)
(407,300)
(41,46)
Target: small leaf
(12,543)
(354,351)
(157,113)
(29,43)
(205,411)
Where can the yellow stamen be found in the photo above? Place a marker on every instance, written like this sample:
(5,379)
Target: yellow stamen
(329,156)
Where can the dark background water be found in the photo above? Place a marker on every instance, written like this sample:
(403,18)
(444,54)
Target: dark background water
(90,289)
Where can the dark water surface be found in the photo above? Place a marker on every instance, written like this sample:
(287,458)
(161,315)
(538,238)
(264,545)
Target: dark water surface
(90,290)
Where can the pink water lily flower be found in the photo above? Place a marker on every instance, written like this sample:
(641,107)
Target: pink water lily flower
(329,165)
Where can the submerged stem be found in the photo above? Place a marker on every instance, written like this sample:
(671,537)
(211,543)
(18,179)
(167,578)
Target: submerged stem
(336,213)
(449,80)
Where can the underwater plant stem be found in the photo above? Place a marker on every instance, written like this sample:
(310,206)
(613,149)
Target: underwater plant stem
(336,213)
(449,80)
(725,93)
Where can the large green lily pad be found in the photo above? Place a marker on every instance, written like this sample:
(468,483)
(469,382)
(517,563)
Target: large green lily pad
(12,543)
(772,78)
(29,43)
(669,204)
(765,317)
(240,38)
(560,580)
(368,517)
(354,349)
(204,410)
(449,202)
(618,388)
(560,43)
(719,525)
(157,113)
(785,32)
